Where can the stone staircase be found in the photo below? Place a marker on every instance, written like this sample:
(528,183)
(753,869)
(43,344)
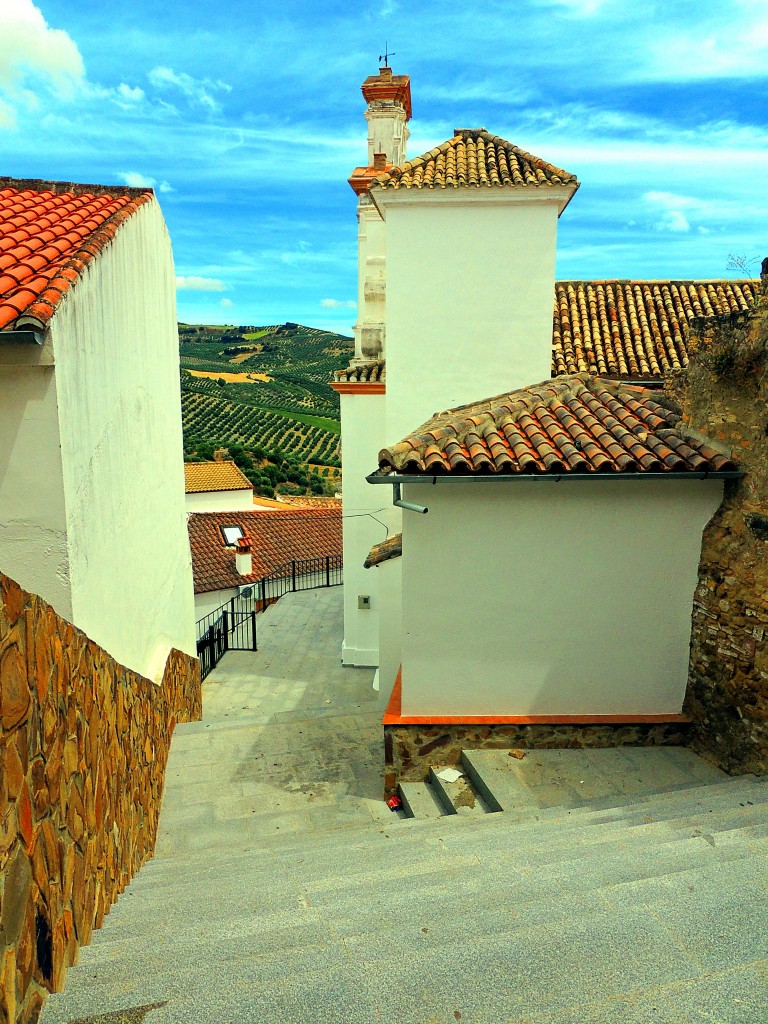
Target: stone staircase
(592,898)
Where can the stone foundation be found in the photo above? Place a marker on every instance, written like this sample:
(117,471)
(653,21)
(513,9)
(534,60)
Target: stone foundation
(83,748)
(410,750)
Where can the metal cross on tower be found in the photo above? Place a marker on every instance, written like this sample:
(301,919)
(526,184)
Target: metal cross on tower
(386,55)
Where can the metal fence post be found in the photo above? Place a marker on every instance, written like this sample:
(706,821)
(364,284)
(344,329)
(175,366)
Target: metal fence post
(253,630)
(327,570)
(293,575)
(225,630)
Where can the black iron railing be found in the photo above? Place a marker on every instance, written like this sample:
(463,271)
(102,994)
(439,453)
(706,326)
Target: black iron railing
(232,627)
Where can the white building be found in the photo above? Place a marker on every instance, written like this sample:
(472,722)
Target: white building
(457,281)
(216,487)
(91,480)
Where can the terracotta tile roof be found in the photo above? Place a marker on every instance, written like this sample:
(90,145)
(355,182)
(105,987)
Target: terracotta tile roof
(49,232)
(316,501)
(574,424)
(635,329)
(214,476)
(373,370)
(276,538)
(392,547)
(475,158)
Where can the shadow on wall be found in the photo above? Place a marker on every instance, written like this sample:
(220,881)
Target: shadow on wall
(83,748)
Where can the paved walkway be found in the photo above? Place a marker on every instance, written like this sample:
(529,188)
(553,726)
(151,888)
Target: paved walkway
(290,740)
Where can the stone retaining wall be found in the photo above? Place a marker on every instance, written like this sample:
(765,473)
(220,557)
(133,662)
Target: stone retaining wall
(725,395)
(83,748)
(410,750)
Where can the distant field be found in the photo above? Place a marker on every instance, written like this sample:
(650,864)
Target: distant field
(273,399)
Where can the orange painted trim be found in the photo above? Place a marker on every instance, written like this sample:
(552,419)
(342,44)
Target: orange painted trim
(393,716)
(373,387)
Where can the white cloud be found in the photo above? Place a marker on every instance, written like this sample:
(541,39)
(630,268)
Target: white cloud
(198,91)
(200,284)
(673,220)
(338,304)
(672,206)
(581,8)
(33,55)
(227,303)
(132,95)
(28,44)
(133,179)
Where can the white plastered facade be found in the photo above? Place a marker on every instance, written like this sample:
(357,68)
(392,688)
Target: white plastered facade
(364,514)
(94,483)
(220,501)
(542,598)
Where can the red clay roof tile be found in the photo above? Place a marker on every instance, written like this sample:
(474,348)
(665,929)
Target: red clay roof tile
(49,231)
(572,424)
(635,330)
(474,158)
(276,538)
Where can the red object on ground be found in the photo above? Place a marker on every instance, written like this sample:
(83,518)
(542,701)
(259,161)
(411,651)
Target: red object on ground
(394,803)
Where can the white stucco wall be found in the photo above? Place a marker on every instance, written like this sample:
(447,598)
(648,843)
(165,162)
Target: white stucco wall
(220,501)
(117,378)
(362,432)
(551,598)
(389,575)
(207,603)
(470,282)
(33,546)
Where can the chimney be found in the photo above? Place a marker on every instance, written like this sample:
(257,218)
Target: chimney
(379,161)
(243,557)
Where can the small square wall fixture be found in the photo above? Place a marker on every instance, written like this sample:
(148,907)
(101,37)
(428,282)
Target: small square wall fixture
(363,601)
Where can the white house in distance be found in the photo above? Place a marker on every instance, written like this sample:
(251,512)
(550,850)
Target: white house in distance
(553,574)
(216,487)
(91,479)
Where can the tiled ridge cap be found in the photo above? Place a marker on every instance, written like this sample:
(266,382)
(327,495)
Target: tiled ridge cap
(72,187)
(44,250)
(475,158)
(570,424)
(372,370)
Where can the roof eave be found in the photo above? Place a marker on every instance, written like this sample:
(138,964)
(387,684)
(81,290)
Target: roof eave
(433,478)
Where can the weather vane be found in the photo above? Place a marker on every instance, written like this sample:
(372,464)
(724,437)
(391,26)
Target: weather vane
(386,55)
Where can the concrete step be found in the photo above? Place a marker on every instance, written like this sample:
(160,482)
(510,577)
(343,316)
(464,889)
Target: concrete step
(419,800)
(591,947)
(458,797)
(552,830)
(572,778)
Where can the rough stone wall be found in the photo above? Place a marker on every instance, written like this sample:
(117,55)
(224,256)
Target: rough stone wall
(83,748)
(724,394)
(410,750)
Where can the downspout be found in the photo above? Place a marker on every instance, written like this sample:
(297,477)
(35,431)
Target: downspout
(409,505)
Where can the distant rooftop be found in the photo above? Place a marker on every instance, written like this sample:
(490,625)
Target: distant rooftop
(276,538)
(214,476)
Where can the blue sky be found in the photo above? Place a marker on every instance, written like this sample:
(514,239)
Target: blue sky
(247,119)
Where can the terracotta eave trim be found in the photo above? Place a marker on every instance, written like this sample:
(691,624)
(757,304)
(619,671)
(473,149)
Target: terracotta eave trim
(359,387)
(534,719)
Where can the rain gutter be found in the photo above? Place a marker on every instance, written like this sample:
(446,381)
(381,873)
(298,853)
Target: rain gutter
(29,337)
(396,480)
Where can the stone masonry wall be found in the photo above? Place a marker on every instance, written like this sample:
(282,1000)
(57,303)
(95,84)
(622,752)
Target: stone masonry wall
(725,395)
(410,750)
(83,748)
